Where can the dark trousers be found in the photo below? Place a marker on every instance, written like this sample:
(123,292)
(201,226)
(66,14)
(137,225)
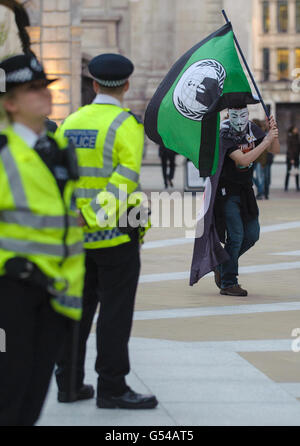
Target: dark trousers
(111,280)
(267,171)
(287,177)
(168,166)
(34,332)
(240,237)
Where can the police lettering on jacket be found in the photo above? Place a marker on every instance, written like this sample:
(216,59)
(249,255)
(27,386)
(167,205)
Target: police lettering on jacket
(83,139)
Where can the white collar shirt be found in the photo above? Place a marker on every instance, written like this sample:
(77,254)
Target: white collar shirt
(28,135)
(106,99)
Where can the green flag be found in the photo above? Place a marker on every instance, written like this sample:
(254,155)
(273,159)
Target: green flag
(183,114)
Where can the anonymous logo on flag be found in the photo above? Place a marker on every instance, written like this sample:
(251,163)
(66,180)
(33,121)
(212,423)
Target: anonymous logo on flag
(200,86)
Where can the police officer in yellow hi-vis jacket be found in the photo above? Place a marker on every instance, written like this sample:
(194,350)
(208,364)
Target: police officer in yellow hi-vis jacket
(41,243)
(109,141)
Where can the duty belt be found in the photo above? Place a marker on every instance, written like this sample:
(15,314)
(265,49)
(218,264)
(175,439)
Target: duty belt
(22,269)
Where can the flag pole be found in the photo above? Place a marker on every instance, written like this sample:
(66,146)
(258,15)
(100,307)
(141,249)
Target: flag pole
(248,68)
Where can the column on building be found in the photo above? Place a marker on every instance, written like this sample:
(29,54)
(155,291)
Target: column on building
(75,52)
(273,64)
(104,26)
(273,33)
(57,43)
(273,16)
(55,53)
(142,44)
(292,31)
(292,16)
(9,39)
(194,20)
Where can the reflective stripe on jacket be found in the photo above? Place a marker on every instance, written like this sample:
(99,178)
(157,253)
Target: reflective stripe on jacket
(109,142)
(37,223)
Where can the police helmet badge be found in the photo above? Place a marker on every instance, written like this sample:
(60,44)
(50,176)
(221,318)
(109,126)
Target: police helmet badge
(199,88)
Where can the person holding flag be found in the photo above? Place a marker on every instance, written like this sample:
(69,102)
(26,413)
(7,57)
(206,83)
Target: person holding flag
(236,209)
(184,116)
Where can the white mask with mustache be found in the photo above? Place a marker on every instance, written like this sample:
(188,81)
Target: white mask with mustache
(239,119)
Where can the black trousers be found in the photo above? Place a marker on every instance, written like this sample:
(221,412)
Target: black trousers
(287,177)
(34,332)
(168,166)
(111,280)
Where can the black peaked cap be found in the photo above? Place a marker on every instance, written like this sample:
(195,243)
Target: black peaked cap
(22,69)
(111,70)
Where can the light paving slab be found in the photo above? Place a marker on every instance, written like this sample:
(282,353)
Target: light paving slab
(291,388)
(288,253)
(196,384)
(216,391)
(183,275)
(143,346)
(235,414)
(280,366)
(277,325)
(85,413)
(186,241)
(211,311)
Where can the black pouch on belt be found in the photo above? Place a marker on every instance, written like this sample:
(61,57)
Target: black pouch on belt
(133,224)
(19,268)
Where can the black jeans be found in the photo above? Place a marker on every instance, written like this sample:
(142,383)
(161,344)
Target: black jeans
(111,279)
(34,332)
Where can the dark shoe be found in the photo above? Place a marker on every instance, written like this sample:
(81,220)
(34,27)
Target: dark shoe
(217,278)
(129,400)
(235,290)
(171,183)
(259,197)
(86,392)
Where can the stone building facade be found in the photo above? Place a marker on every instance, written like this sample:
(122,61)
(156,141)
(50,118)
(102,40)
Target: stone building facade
(276,59)
(66,34)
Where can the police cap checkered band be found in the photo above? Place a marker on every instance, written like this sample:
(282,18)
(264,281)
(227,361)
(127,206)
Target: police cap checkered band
(111,83)
(22,69)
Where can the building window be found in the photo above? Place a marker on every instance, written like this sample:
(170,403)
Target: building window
(266,16)
(282,63)
(297,58)
(298,16)
(282,16)
(266,64)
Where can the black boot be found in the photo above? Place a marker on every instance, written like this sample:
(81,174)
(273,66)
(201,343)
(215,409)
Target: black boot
(286,186)
(297,182)
(129,400)
(85,392)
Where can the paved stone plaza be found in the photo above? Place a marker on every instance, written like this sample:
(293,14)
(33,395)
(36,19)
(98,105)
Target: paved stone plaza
(210,359)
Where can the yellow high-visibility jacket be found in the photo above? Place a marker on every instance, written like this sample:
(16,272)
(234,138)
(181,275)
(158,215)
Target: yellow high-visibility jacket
(109,142)
(37,223)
